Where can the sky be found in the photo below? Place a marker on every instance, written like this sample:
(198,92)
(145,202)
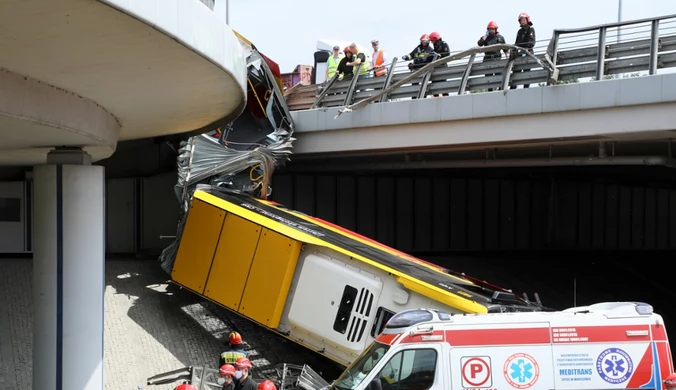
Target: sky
(287,30)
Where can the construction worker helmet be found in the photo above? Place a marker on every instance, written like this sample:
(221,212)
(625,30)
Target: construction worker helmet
(235,338)
(435,36)
(186,386)
(243,363)
(267,385)
(227,369)
(492,24)
(523,15)
(424,38)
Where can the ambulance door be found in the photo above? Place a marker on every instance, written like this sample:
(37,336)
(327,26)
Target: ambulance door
(411,367)
(501,356)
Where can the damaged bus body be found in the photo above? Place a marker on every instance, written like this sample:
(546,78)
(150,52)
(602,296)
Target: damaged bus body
(315,283)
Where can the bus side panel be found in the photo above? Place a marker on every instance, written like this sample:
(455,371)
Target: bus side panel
(267,286)
(197,247)
(232,261)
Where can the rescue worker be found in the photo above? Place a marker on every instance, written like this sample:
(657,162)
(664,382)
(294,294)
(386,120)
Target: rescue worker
(378,59)
(443,50)
(242,369)
(345,70)
(185,386)
(525,38)
(235,352)
(492,37)
(267,385)
(225,377)
(359,59)
(332,63)
(421,55)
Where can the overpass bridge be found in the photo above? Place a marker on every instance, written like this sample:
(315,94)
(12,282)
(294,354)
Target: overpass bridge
(76,77)
(554,122)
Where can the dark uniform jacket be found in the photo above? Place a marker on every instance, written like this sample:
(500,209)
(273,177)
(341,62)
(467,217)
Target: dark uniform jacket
(495,39)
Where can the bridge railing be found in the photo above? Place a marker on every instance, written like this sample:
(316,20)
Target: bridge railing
(640,46)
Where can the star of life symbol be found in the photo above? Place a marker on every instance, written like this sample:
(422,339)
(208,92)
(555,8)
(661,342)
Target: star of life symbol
(521,371)
(614,366)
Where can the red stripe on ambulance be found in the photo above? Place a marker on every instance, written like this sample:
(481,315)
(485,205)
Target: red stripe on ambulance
(600,334)
(387,338)
(498,336)
(659,332)
(526,336)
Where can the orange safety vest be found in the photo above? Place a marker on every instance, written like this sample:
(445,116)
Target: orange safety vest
(378,62)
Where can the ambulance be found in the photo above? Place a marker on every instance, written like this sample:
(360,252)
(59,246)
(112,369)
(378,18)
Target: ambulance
(616,345)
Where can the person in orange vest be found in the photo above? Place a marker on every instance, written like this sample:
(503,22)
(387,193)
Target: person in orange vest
(378,60)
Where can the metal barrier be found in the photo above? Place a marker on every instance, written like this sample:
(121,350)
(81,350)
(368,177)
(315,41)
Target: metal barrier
(639,46)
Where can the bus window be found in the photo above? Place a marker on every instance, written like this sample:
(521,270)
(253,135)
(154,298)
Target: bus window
(411,369)
(382,316)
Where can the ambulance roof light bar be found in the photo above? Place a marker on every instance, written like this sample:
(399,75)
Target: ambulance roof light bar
(615,309)
(409,318)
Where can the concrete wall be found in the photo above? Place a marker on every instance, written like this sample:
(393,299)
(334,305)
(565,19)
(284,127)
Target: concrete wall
(138,211)
(429,214)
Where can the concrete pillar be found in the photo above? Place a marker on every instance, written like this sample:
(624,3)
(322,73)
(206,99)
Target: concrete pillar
(68,269)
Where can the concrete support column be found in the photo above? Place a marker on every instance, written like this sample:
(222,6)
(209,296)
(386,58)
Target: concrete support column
(68,269)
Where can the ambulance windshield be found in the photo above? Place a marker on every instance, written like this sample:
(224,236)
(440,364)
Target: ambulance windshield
(360,368)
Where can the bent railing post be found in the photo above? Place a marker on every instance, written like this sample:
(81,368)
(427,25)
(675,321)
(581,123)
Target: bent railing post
(553,47)
(465,75)
(324,91)
(388,79)
(601,57)
(654,46)
(353,84)
(423,84)
(506,75)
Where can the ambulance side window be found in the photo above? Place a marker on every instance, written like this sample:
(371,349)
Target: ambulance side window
(411,369)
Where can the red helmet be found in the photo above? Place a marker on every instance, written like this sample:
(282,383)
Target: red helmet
(424,37)
(227,369)
(267,385)
(492,24)
(524,15)
(243,363)
(435,36)
(235,338)
(186,386)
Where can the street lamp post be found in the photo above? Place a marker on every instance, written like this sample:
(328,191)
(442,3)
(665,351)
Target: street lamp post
(227,12)
(619,18)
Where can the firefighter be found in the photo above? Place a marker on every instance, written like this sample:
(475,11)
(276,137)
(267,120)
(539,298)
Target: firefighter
(225,377)
(525,38)
(235,352)
(443,50)
(267,385)
(185,386)
(492,37)
(346,71)
(422,55)
(242,370)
